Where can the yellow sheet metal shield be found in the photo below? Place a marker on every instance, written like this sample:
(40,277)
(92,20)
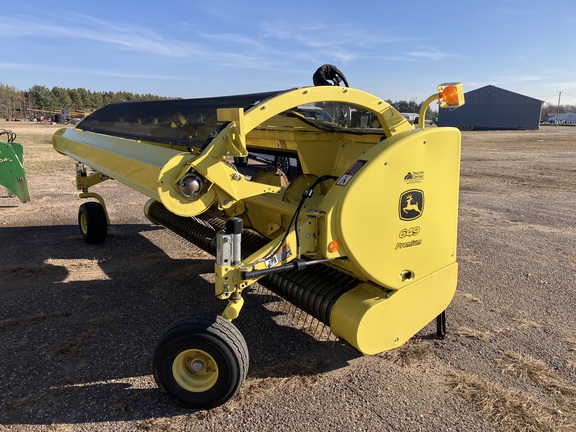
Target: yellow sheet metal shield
(133,163)
(395,211)
(373,321)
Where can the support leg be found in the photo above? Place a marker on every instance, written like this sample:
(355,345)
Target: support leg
(441,325)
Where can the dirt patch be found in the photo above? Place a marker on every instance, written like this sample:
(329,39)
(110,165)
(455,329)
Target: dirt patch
(78,323)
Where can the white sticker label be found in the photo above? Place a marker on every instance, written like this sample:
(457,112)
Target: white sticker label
(350,172)
(283,254)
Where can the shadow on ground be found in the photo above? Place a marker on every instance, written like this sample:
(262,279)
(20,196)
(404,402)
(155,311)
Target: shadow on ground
(79,324)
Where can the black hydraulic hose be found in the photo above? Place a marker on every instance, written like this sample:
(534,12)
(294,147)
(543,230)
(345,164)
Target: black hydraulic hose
(305,196)
(326,73)
(11,135)
(297,265)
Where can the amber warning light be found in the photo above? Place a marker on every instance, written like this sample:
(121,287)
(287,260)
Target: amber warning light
(450,95)
(333,246)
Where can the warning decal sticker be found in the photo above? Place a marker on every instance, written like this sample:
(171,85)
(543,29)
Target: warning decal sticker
(350,172)
(283,254)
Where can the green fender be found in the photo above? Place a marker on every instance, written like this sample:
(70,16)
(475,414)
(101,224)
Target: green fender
(12,175)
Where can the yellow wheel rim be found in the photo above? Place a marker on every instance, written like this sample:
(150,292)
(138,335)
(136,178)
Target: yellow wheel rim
(83,223)
(195,370)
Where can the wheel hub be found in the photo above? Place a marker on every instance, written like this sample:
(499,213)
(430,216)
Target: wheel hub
(195,370)
(83,223)
(197,366)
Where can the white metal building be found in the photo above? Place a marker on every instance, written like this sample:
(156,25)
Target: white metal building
(562,118)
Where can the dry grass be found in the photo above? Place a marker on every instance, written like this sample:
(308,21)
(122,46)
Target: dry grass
(509,410)
(527,367)
(468,296)
(159,424)
(17,323)
(263,383)
(38,140)
(573,343)
(75,348)
(412,352)
(472,333)
(268,379)
(65,390)
(520,324)
(23,403)
(571,365)
(122,405)
(524,323)
(23,271)
(59,427)
(256,388)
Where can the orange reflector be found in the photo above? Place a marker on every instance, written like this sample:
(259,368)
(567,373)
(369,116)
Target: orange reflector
(333,246)
(449,95)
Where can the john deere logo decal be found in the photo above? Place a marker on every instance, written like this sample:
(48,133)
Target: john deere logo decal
(411,205)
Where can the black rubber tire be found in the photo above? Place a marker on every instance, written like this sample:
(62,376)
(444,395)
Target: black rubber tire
(214,337)
(92,222)
(283,164)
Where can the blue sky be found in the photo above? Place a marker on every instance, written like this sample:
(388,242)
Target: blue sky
(395,50)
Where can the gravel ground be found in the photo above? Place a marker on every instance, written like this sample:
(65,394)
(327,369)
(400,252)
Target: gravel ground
(78,323)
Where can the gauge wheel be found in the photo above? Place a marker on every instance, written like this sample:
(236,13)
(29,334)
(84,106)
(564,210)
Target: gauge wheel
(201,361)
(93,222)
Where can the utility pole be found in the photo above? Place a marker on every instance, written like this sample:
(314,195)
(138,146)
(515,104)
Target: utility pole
(558,109)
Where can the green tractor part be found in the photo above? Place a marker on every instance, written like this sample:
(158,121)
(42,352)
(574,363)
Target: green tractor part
(12,175)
